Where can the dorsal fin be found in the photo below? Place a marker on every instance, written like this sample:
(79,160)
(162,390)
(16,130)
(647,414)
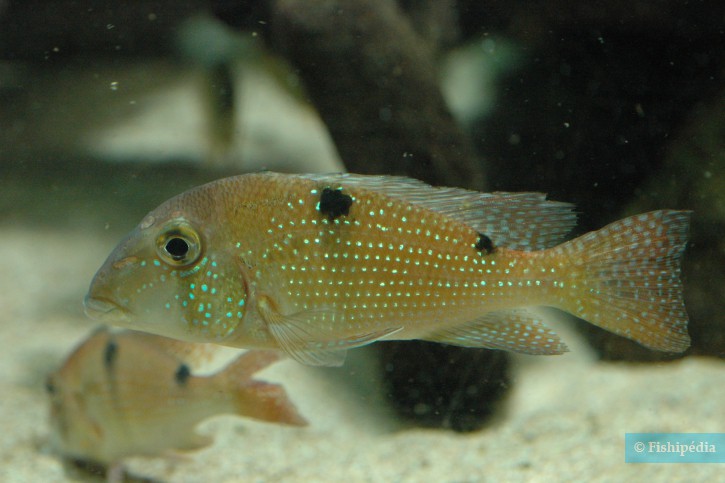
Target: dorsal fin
(519,221)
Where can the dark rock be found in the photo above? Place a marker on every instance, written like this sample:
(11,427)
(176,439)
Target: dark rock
(441,386)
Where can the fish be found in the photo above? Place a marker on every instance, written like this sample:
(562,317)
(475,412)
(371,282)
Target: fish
(126,393)
(314,265)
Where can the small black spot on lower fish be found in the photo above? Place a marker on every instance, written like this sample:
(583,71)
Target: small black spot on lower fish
(109,354)
(49,385)
(182,374)
(334,203)
(484,244)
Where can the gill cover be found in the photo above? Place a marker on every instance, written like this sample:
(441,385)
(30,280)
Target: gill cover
(210,294)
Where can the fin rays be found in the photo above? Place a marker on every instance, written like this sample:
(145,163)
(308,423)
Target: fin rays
(626,278)
(519,221)
(306,337)
(514,330)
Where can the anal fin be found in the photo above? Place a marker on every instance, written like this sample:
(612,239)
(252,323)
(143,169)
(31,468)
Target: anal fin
(512,330)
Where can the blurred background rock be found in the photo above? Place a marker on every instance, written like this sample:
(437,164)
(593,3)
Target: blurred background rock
(107,109)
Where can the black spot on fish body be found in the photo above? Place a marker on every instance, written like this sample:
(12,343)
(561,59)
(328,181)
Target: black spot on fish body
(334,203)
(110,353)
(50,385)
(484,244)
(182,374)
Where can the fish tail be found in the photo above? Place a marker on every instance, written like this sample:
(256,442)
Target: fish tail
(625,278)
(258,399)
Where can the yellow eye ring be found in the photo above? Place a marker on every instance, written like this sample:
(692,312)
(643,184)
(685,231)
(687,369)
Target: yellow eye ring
(178,245)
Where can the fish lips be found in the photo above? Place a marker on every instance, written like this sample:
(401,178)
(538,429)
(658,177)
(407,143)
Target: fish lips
(104,310)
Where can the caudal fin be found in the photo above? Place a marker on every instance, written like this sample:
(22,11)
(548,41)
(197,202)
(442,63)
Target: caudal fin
(258,399)
(625,278)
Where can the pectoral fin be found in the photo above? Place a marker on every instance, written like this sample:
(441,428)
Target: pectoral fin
(512,330)
(309,336)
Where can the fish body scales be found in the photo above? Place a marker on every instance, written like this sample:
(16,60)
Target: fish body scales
(384,261)
(314,265)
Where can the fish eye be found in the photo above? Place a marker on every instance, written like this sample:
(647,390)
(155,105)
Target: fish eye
(178,245)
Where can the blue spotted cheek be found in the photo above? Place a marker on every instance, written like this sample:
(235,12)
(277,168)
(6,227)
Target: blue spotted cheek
(155,282)
(210,317)
(207,311)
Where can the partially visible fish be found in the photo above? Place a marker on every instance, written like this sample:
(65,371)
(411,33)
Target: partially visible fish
(128,394)
(317,264)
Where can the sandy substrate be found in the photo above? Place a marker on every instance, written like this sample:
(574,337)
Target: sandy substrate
(564,420)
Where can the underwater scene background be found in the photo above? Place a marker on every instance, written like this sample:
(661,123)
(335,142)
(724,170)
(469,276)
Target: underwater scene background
(107,110)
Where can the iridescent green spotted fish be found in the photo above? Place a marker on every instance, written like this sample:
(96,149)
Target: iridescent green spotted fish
(317,264)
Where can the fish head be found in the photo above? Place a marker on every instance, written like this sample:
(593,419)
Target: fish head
(61,422)
(173,275)
(77,428)
(73,432)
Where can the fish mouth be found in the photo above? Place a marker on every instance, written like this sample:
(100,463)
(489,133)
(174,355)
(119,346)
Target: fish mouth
(100,308)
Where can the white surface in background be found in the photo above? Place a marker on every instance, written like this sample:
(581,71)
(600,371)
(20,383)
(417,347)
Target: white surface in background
(273,130)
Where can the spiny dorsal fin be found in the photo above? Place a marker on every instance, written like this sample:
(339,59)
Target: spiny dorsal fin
(512,330)
(519,221)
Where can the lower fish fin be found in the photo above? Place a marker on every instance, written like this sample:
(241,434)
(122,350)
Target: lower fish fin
(268,402)
(306,336)
(258,399)
(512,330)
(250,362)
